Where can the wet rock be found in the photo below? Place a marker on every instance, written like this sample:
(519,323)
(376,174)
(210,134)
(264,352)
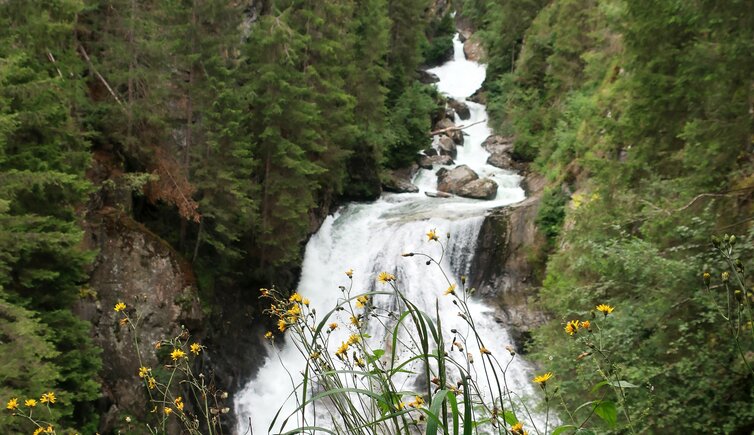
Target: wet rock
(453,180)
(446,147)
(461,108)
(500,149)
(430,152)
(483,188)
(479,97)
(428,162)
(438,194)
(399,180)
(449,126)
(427,77)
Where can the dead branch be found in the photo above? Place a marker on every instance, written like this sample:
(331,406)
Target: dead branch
(456,128)
(99,76)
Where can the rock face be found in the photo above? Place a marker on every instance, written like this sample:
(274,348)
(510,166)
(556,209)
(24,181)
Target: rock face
(461,108)
(503,270)
(136,267)
(483,188)
(500,149)
(473,49)
(399,180)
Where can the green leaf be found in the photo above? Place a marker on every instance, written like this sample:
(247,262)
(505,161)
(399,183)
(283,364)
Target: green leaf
(510,417)
(375,356)
(622,384)
(563,429)
(607,411)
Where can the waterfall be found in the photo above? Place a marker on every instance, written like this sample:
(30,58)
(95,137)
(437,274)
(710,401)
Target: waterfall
(370,238)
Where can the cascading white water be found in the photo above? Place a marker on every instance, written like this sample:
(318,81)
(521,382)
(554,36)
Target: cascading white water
(370,238)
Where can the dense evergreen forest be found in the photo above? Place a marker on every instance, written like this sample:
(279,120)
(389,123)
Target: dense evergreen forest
(227,129)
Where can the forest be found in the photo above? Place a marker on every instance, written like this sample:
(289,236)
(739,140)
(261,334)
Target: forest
(226,131)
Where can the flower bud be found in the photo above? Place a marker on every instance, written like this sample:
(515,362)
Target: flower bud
(706,277)
(725,276)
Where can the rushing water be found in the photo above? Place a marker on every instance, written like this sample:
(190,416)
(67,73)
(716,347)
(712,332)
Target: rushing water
(370,238)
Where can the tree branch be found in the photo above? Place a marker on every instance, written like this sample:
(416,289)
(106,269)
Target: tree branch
(456,128)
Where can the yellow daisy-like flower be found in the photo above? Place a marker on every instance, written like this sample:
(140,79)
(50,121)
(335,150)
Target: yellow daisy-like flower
(385,277)
(294,311)
(268,335)
(349,273)
(484,351)
(120,306)
(355,321)
(179,403)
(168,410)
(30,403)
(333,326)
(542,379)
(305,301)
(586,324)
(295,298)
(417,402)
(518,429)
(432,235)
(49,429)
(605,309)
(450,290)
(151,383)
(340,353)
(361,301)
(48,398)
(38,431)
(353,339)
(143,372)
(282,325)
(572,327)
(195,348)
(12,404)
(177,354)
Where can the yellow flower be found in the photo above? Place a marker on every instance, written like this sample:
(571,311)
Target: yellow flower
(518,429)
(355,321)
(484,351)
(586,324)
(417,402)
(333,326)
(605,309)
(12,404)
(48,398)
(353,339)
(281,325)
(432,235)
(38,431)
(451,290)
(349,273)
(295,298)
(340,353)
(572,327)
(361,301)
(151,383)
(294,312)
(177,354)
(385,277)
(123,321)
(195,348)
(49,429)
(143,372)
(168,411)
(305,301)
(268,335)
(120,306)
(179,403)
(30,403)
(542,379)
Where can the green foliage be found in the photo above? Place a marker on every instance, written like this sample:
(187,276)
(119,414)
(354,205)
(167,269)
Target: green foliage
(409,125)
(551,213)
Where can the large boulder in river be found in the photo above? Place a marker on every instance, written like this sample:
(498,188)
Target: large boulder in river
(446,146)
(427,77)
(428,162)
(483,188)
(453,180)
(461,108)
(473,49)
(449,126)
(500,149)
(399,180)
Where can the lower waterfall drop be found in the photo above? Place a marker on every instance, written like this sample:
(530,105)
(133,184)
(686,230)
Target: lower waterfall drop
(370,238)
